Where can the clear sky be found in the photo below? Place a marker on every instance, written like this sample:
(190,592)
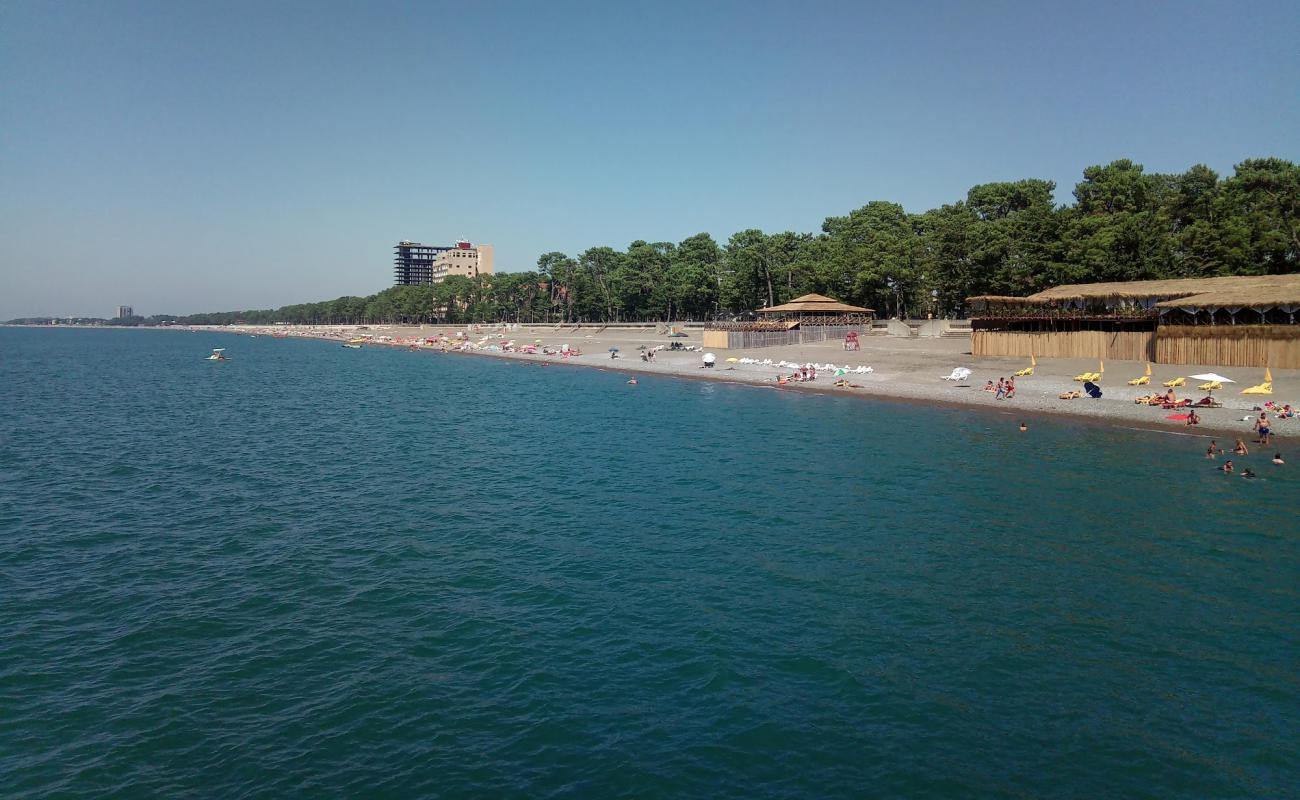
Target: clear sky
(182,157)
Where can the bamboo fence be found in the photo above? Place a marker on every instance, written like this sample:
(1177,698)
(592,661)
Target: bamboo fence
(1118,345)
(1276,346)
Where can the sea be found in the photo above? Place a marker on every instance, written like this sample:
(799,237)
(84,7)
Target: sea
(311,571)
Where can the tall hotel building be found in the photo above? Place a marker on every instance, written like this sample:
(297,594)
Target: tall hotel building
(416,264)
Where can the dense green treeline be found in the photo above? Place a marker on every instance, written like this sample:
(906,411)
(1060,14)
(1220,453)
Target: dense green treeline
(1004,238)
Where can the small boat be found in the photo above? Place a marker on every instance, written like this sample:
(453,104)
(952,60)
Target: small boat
(351,346)
(218,354)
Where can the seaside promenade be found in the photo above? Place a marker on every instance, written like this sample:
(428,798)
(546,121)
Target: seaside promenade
(908,370)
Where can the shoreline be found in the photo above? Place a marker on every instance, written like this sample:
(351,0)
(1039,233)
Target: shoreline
(909,372)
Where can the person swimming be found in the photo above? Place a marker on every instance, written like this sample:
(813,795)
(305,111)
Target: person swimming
(1227,466)
(1213,449)
(1277,458)
(1023,427)
(1246,473)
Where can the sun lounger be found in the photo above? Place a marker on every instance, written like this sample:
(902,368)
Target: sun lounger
(1210,386)
(1263,388)
(1175,382)
(1142,381)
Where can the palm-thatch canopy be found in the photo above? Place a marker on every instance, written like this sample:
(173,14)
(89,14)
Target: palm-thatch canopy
(1262,292)
(1000,300)
(814,304)
(1257,289)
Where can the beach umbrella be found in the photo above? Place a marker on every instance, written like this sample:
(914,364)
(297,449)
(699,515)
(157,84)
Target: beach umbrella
(613,349)
(1211,378)
(732,360)
(709,358)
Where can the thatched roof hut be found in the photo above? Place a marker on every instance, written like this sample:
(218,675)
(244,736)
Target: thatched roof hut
(814,304)
(1259,288)
(1262,292)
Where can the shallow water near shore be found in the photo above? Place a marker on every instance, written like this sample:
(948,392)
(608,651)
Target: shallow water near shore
(313,571)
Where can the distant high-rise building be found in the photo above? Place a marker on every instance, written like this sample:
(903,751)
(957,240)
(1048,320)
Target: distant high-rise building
(125,311)
(416,264)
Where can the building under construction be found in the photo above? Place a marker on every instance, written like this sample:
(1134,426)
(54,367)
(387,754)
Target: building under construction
(417,264)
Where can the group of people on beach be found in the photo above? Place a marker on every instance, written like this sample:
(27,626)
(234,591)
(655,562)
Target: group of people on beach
(1004,390)
(807,372)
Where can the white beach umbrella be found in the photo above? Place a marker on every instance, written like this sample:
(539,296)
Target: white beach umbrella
(709,358)
(1211,378)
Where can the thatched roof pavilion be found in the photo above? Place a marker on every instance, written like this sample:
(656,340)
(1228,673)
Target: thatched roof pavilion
(1256,288)
(814,305)
(1262,292)
(1247,320)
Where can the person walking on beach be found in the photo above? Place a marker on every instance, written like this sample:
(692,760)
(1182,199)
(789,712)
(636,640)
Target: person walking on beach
(1001,389)
(1265,432)
(1011,388)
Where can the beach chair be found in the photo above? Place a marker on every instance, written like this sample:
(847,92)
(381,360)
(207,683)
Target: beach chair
(1144,380)
(1092,376)
(958,374)
(1262,388)
(1029,370)
(1170,384)
(1210,386)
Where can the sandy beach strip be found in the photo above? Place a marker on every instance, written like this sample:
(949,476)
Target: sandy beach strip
(905,370)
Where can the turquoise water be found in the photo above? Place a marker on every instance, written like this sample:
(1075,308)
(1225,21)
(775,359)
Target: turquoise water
(315,572)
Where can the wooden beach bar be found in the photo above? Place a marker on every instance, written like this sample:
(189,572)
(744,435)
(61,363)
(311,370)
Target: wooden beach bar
(1247,321)
(810,318)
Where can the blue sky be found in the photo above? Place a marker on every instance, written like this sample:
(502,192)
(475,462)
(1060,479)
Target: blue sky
(207,156)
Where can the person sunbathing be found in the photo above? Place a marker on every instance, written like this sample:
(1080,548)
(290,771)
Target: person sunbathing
(988,387)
